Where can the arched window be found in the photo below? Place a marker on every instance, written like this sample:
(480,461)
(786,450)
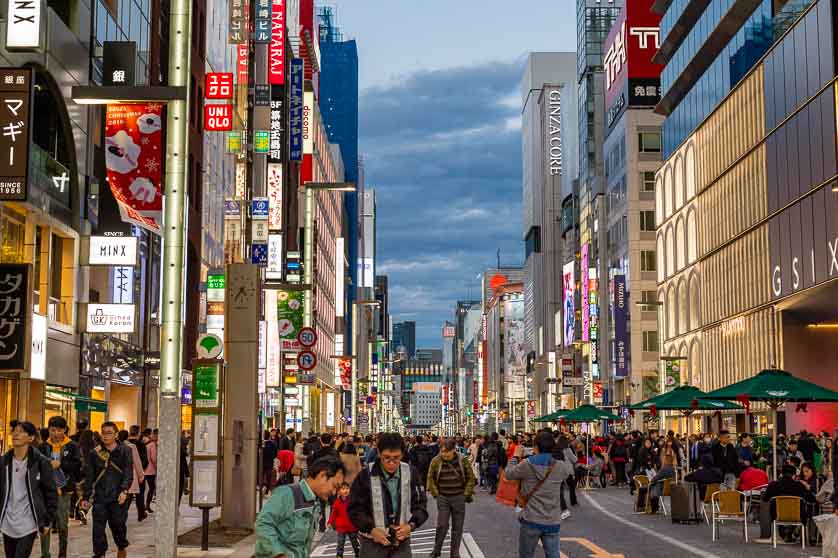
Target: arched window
(678,183)
(671,312)
(661,258)
(692,236)
(670,251)
(663,319)
(659,198)
(695,302)
(690,177)
(695,365)
(680,244)
(683,307)
(667,187)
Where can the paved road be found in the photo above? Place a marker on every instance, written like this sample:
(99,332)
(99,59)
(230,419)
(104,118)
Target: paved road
(602,526)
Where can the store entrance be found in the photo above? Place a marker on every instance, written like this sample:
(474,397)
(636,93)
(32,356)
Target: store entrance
(8,410)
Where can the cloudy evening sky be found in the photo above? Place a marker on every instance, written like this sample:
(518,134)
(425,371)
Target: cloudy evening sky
(440,132)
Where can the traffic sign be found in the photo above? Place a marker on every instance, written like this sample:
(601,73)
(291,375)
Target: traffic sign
(306,360)
(307,337)
(209,346)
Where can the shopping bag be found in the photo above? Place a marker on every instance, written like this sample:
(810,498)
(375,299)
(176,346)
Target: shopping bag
(507,493)
(828,526)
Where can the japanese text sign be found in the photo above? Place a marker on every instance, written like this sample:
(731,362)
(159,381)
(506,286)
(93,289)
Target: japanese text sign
(15,122)
(14,310)
(219,85)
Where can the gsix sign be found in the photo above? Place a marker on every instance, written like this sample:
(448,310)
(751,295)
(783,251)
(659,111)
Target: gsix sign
(218,118)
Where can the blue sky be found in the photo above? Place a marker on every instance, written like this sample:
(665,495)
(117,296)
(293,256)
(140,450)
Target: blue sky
(440,134)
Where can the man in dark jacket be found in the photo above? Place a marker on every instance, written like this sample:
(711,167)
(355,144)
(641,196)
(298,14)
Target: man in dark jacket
(388,502)
(27,492)
(65,458)
(705,475)
(420,456)
(109,476)
(725,456)
(135,437)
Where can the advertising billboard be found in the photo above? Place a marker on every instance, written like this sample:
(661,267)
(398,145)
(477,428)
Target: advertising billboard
(275,196)
(134,162)
(631,77)
(272,348)
(290,306)
(296,111)
(586,321)
(515,350)
(276,70)
(621,340)
(568,303)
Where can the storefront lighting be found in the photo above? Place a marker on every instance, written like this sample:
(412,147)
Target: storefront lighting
(823,326)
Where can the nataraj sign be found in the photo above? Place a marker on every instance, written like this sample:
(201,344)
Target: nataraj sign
(277,47)
(134,161)
(218,118)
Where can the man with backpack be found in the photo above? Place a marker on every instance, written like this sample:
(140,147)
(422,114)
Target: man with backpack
(451,481)
(541,479)
(420,456)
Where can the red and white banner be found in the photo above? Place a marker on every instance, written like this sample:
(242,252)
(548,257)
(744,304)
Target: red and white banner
(277,47)
(134,160)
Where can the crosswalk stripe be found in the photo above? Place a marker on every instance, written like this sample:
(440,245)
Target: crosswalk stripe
(421,544)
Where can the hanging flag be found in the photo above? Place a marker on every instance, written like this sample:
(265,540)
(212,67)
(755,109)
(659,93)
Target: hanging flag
(134,160)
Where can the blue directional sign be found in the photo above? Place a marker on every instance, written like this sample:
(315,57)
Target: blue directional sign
(259,254)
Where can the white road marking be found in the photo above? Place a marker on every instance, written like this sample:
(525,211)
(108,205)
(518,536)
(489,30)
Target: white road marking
(471,547)
(669,540)
(421,544)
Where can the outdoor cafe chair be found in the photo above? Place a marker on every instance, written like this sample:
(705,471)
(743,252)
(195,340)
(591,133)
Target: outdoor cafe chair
(709,490)
(666,492)
(787,513)
(729,505)
(641,484)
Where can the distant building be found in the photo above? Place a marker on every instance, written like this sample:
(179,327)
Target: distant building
(404,339)
(429,355)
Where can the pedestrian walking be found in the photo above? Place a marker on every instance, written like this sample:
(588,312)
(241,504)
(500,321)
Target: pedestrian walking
(109,476)
(340,522)
(139,485)
(286,524)
(541,479)
(65,458)
(150,470)
(387,502)
(270,448)
(134,493)
(451,481)
(27,492)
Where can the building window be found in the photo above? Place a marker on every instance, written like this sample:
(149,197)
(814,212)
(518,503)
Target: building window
(12,234)
(648,261)
(649,142)
(650,342)
(647,221)
(648,297)
(647,184)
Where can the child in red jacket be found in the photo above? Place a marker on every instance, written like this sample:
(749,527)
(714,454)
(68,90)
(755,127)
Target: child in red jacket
(339,520)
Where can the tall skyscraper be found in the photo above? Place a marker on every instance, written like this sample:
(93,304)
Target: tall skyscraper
(404,338)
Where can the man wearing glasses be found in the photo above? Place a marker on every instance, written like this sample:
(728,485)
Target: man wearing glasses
(388,502)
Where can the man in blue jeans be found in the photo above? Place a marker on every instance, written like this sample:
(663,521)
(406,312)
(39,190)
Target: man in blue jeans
(541,479)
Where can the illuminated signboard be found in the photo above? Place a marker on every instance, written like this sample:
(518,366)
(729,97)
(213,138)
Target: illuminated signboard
(277,47)
(219,85)
(218,118)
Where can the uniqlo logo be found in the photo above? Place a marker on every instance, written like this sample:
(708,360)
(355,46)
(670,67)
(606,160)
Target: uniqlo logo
(218,118)
(219,85)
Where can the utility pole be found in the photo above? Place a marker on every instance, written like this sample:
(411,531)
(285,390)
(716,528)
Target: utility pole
(174,254)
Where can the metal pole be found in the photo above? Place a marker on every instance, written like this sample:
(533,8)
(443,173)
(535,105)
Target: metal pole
(354,392)
(171,349)
(205,528)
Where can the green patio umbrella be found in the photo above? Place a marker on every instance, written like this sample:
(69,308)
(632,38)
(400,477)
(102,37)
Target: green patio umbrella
(555,416)
(774,387)
(686,399)
(589,413)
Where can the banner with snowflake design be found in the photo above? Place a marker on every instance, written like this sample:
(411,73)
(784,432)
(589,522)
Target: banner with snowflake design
(134,160)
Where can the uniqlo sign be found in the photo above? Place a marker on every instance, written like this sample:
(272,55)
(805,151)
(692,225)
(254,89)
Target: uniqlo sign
(218,118)
(277,48)
(219,85)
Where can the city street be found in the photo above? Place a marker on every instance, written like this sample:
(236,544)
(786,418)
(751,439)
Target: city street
(602,526)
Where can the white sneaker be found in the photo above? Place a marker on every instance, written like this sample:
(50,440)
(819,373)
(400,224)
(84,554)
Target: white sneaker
(565,514)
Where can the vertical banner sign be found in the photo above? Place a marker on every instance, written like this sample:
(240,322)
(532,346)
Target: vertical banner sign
(15,122)
(276,54)
(290,313)
(275,259)
(23,24)
(134,157)
(262,23)
(568,305)
(219,85)
(296,109)
(673,375)
(621,342)
(272,368)
(586,319)
(14,310)
(205,384)
(274,196)
(237,18)
(275,153)
(242,54)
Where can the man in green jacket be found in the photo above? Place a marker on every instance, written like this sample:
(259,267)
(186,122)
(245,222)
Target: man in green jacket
(451,481)
(286,525)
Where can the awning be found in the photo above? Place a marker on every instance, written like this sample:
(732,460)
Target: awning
(83,403)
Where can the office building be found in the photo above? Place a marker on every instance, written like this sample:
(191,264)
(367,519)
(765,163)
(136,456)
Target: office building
(404,338)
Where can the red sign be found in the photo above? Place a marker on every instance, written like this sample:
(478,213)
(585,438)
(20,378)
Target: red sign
(218,118)
(476,406)
(242,52)
(307,337)
(597,392)
(449,331)
(277,47)
(445,394)
(306,360)
(219,85)
(345,367)
(134,162)
(632,42)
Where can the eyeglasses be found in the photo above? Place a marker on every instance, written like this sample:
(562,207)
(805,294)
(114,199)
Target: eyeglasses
(391,459)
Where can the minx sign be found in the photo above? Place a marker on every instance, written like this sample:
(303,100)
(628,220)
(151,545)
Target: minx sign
(23,24)
(113,250)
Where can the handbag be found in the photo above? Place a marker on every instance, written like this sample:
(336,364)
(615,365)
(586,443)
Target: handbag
(507,493)
(524,499)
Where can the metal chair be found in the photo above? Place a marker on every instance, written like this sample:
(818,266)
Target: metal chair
(787,513)
(709,490)
(642,482)
(729,505)
(666,492)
